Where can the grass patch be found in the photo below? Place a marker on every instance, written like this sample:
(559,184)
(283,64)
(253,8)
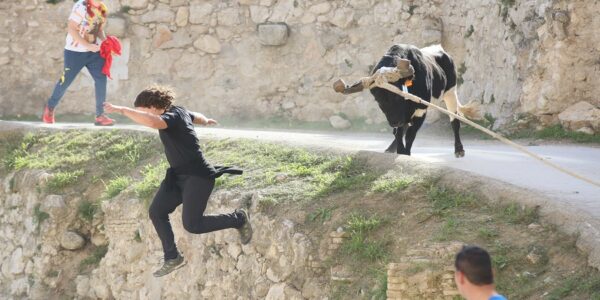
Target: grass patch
(359,245)
(116,185)
(487,233)
(462,69)
(87,210)
(469,32)
(137,237)
(321,215)
(443,199)
(517,214)
(578,284)
(62,180)
(557,132)
(152,175)
(449,229)
(95,257)
(391,185)
(229,182)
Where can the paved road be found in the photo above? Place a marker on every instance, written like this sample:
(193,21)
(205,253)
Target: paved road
(484,157)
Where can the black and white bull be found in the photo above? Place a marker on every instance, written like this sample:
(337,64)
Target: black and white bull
(433,76)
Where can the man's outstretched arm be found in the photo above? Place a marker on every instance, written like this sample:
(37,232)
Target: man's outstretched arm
(201,119)
(138,116)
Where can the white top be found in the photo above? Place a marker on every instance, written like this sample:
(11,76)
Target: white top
(88,27)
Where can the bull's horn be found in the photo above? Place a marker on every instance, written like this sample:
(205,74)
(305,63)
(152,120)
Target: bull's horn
(341,87)
(402,64)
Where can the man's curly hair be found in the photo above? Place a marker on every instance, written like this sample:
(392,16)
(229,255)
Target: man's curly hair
(161,97)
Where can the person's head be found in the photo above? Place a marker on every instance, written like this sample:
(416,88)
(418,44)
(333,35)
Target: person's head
(155,99)
(473,270)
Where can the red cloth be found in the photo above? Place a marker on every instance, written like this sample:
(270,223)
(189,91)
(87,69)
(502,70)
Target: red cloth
(109,46)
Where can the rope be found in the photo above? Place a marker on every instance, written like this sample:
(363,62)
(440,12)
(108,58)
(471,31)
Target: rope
(382,83)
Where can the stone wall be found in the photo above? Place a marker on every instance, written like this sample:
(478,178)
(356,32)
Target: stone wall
(257,58)
(43,240)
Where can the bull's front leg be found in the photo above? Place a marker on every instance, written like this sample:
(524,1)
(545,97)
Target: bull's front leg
(411,132)
(399,134)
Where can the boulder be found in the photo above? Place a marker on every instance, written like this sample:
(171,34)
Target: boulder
(72,241)
(17,262)
(338,122)
(343,18)
(135,4)
(162,14)
(163,35)
(579,115)
(259,14)
(320,9)
(116,26)
(55,206)
(208,44)
(182,16)
(200,14)
(272,34)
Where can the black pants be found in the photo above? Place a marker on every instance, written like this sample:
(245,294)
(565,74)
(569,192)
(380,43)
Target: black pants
(193,192)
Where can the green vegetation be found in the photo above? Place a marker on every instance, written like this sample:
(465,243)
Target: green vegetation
(60,180)
(577,283)
(94,259)
(462,69)
(87,210)
(321,214)
(444,199)
(125,9)
(517,214)
(469,32)
(359,245)
(557,132)
(137,237)
(327,191)
(392,185)
(152,175)
(39,216)
(116,185)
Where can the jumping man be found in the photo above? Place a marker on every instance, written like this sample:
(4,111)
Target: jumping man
(190,178)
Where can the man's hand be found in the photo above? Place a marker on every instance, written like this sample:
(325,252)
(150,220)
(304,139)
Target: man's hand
(109,108)
(211,122)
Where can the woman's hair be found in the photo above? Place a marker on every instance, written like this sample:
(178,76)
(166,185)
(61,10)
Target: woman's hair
(161,97)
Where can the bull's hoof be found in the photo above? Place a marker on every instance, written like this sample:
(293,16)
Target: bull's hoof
(459,154)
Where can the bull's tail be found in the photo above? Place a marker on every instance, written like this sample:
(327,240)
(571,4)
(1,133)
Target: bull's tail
(471,110)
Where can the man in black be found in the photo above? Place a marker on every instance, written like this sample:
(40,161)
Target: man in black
(190,178)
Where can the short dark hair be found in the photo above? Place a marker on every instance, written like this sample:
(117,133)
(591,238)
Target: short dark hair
(156,96)
(476,264)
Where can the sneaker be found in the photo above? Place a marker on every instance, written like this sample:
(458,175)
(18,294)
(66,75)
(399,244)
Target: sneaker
(246,229)
(103,120)
(170,265)
(48,115)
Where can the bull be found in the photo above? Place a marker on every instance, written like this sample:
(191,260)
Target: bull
(428,73)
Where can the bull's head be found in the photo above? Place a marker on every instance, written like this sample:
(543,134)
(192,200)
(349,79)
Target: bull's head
(392,69)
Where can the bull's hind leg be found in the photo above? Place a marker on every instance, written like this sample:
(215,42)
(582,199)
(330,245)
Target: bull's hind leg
(451,100)
(394,145)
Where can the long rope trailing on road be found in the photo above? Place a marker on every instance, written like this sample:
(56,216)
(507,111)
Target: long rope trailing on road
(381,80)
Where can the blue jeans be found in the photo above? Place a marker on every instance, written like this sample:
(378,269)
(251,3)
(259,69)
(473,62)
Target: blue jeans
(74,62)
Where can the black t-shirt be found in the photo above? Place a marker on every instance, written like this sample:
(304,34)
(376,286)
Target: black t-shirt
(181,144)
